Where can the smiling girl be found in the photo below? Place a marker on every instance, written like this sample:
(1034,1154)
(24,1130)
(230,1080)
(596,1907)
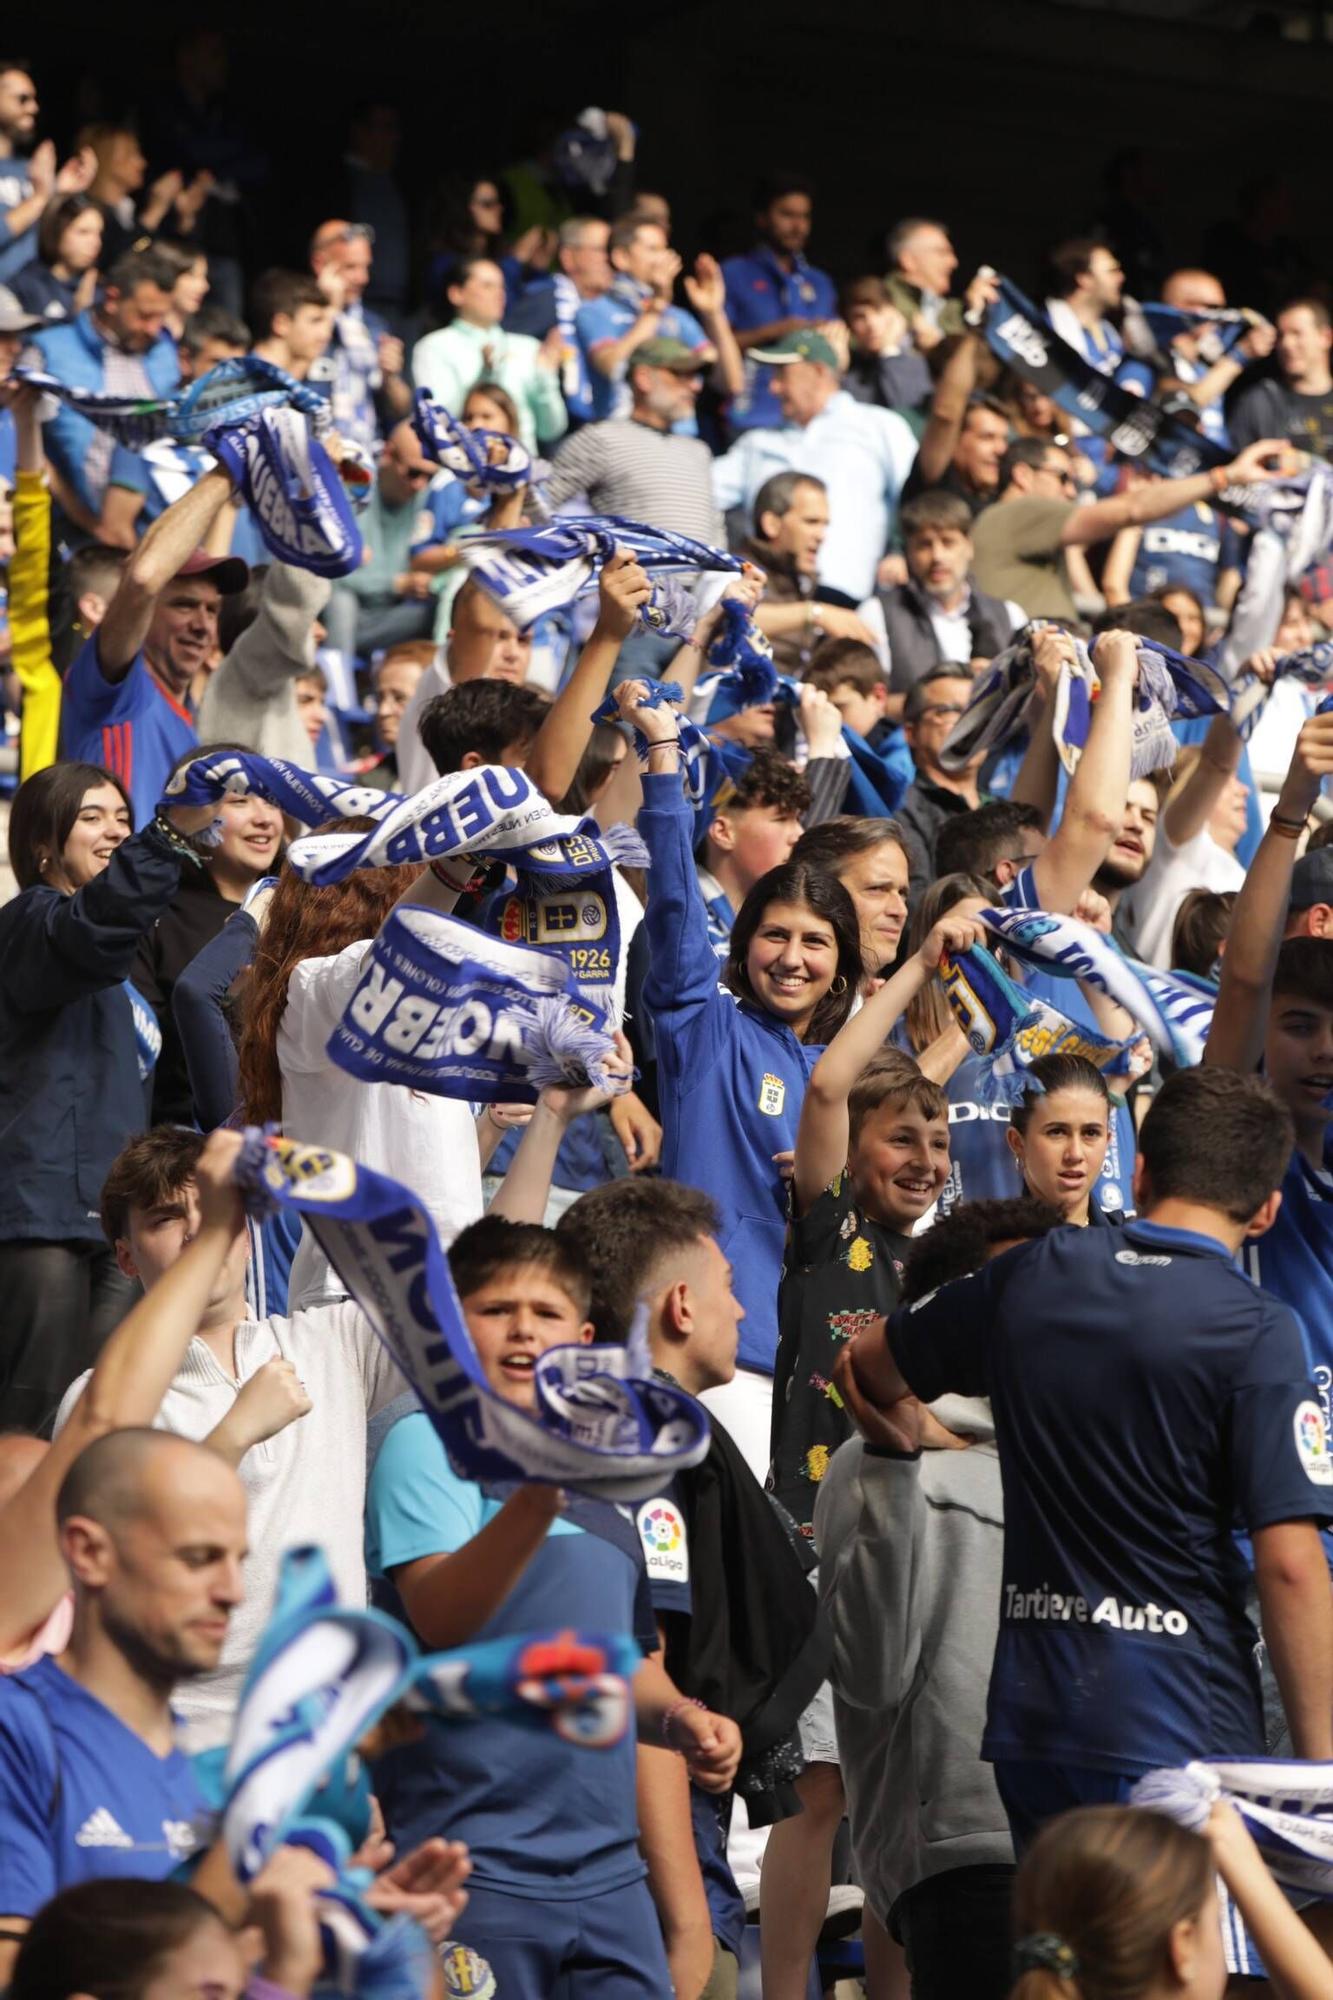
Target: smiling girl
(733,1064)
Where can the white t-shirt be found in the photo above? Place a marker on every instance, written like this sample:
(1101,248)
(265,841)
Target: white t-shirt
(307,1484)
(428,1143)
(1151,905)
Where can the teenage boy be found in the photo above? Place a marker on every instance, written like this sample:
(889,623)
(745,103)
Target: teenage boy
(849,673)
(744,1635)
(872,1154)
(1275,1008)
(557,1895)
(286,1401)
(1135,1430)
(754,824)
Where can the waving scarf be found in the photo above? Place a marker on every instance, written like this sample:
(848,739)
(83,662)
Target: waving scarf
(1174,1009)
(492,810)
(1226,327)
(596,1427)
(322,1676)
(1294,534)
(229,393)
(471,456)
(1170,687)
(442,1007)
(1011,1029)
(530,571)
(705,765)
(1025,340)
(293,490)
(1285,1805)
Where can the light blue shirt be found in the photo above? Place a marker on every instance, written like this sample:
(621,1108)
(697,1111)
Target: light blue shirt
(862,454)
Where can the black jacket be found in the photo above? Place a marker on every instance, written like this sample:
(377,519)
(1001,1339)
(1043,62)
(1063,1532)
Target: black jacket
(192,919)
(913,646)
(69,1070)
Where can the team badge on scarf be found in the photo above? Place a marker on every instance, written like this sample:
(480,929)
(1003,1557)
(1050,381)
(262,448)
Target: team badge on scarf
(1010,1029)
(1174,1009)
(601,1423)
(485,461)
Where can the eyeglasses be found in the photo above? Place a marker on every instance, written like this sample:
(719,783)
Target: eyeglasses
(1062,473)
(944,708)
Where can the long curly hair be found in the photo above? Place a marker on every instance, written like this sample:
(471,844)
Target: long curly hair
(305,921)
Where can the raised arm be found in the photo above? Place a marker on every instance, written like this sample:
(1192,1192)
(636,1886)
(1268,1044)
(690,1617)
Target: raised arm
(567,724)
(707,294)
(1189,809)
(1257,464)
(449,1597)
(1240,1019)
(134,1370)
(171,541)
(948,409)
(523,1193)
(1038,780)
(823,1133)
(1095,803)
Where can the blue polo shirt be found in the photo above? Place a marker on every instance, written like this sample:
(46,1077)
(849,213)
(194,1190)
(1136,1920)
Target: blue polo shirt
(81,1796)
(1147,1399)
(760,290)
(132,727)
(610,318)
(1294,1261)
(1181,551)
(542,1817)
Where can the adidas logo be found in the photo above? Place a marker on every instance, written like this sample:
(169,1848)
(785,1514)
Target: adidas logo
(102,1829)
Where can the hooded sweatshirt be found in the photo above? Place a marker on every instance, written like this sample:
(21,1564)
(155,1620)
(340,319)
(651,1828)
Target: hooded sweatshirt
(910,1558)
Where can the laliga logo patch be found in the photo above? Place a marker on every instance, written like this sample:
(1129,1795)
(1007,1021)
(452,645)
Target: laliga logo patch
(662,1531)
(1312,1444)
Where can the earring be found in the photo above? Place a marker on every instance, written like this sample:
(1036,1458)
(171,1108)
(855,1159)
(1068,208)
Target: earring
(840,984)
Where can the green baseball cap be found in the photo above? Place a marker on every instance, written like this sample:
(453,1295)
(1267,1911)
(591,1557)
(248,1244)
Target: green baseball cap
(805,345)
(664,352)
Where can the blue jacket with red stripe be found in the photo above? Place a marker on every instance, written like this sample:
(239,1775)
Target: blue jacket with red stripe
(132,727)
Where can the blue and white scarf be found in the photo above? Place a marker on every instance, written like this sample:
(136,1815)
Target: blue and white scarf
(147,1031)
(466,453)
(442,1007)
(1010,1029)
(1026,341)
(229,393)
(493,810)
(1286,1807)
(293,489)
(705,765)
(530,571)
(1169,688)
(601,1425)
(1312,667)
(1294,533)
(752,683)
(1174,1009)
(573,1683)
(1222,328)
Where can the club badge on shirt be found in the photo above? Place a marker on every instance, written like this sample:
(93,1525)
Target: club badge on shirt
(772,1096)
(466,1975)
(1312,1444)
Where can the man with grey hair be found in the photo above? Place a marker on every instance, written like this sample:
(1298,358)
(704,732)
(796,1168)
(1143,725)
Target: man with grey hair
(791,519)
(582,273)
(922,263)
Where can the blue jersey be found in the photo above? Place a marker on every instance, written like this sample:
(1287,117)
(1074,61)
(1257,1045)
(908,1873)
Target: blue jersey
(1146,1399)
(610,318)
(1294,1261)
(759,291)
(81,1796)
(542,1817)
(1180,552)
(132,727)
(446,506)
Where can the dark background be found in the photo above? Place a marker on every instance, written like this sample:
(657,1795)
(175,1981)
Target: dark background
(1000,116)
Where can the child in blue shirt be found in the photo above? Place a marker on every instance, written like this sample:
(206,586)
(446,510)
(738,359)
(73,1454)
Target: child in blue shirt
(557,1899)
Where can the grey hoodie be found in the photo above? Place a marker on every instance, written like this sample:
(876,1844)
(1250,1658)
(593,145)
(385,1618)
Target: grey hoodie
(909,1572)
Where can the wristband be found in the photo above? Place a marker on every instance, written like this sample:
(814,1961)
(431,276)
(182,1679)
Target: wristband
(180,844)
(1289,829)
(1220,476)
(686,1701)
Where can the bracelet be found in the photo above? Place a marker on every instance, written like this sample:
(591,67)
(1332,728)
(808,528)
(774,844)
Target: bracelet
(686,1701)
(1220,478)
(665,743)
(441,873)
(180,844)
(1289,829)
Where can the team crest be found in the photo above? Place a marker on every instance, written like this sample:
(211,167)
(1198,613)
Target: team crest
(772,1096)
(466,1976)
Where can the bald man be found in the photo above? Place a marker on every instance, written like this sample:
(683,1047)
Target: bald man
(1199,367)
(152,1530)
(368,388)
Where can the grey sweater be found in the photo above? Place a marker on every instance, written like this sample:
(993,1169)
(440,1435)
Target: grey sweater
(909,1573)
(251,699)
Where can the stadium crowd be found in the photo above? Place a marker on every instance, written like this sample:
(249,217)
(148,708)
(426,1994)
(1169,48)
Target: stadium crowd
(763,822)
